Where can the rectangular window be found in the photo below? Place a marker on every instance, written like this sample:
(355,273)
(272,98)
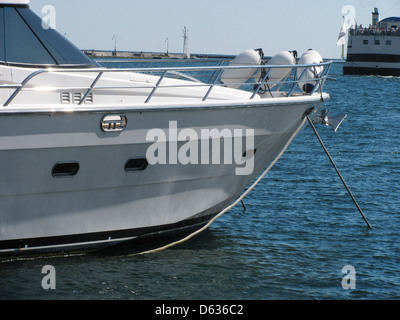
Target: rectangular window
(365,41)
(65,169)
(21,44)
(136,164)
(350,44)
(377,42)
(388,42)
(2,36)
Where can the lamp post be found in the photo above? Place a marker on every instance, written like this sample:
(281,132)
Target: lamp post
(167,41)
(115,44)
(185,43)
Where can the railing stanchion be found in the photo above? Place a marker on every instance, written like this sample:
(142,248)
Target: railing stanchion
(261,83)
(90,88)
(156,86)
(213,84)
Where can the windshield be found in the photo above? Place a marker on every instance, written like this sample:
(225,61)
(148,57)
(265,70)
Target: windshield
(23,40)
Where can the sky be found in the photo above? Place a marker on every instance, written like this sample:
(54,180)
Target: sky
(214,26)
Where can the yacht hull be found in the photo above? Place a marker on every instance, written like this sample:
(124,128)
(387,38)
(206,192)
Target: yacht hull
(103,203)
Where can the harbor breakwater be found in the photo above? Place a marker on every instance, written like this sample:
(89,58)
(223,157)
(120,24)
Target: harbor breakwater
(148,55)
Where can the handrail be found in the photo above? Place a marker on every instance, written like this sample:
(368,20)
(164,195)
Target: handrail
(256,85)
(90,88)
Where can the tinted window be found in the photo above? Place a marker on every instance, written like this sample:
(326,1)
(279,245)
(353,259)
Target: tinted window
(21,44)
(2,57)
(61,49)
(24,40)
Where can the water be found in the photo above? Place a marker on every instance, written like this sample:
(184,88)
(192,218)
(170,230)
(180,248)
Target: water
(300,228)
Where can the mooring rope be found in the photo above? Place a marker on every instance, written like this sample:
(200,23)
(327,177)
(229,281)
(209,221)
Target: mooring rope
(255,183)
(337,171)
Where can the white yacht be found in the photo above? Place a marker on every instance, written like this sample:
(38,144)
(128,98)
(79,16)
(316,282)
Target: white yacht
(92,157)
(374,49)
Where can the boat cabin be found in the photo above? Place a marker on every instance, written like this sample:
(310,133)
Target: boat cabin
(390,24)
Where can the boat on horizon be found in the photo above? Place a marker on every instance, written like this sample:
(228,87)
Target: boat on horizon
(93,157)
(374,50)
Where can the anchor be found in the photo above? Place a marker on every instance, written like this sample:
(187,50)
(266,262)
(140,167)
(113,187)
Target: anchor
(334,122)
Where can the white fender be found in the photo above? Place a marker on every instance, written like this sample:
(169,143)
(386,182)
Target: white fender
(247,58)
(277,74)
(309,57)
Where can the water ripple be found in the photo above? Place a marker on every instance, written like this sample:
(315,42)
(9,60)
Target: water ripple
(299,230)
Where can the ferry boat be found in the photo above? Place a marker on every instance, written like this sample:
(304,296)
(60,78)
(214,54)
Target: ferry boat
(374,50)
(76,169)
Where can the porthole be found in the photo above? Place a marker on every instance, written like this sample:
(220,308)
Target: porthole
(249,153)
(136,164)
(65,169)
(113,123)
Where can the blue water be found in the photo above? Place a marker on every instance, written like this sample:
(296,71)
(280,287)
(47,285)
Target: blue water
(298,232)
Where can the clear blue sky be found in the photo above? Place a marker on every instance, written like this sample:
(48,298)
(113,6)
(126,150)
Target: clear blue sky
(215,26)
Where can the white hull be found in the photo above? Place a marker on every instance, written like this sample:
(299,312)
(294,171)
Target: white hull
(103,204)
(83,149)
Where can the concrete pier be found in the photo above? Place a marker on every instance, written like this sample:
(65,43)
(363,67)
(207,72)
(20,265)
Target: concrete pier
(147,55)
(131,54)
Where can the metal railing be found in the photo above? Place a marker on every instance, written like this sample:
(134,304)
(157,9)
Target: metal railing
(289,84)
